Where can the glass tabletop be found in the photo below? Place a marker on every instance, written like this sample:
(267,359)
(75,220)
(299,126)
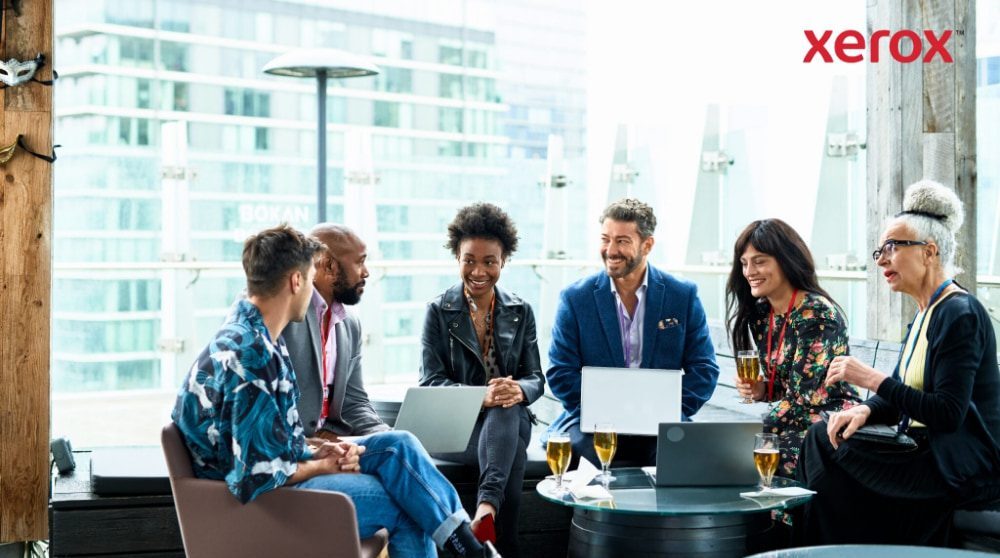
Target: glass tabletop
(633,491)
(872,551)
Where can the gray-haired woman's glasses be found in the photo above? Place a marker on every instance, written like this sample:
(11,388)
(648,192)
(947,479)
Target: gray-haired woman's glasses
(889,246)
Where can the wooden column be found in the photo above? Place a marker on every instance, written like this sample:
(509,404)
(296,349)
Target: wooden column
(26,251)
(921,124)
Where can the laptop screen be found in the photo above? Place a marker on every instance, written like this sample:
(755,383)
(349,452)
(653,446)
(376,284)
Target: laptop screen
(634,400)
(706,453)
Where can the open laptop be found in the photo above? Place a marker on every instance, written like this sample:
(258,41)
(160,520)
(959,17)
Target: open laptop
(706,454)
(634,400)
(441,417)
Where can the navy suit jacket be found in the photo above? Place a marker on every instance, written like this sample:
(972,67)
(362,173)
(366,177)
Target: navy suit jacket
(587,333)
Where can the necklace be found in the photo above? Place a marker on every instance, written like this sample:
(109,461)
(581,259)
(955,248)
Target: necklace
(486,322)
(480,320)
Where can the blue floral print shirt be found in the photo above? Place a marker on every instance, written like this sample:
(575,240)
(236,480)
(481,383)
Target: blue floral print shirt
(237,408)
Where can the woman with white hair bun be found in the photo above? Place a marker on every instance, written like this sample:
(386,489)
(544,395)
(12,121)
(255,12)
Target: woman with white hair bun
(944,394)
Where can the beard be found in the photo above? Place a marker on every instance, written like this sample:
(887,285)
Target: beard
(345,293)
(631,264)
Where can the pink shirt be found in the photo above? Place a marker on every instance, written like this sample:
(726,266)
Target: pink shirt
(328,316)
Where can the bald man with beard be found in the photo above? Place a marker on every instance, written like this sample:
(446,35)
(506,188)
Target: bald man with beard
(325,348)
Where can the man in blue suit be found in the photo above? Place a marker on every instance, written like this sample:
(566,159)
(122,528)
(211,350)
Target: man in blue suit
(631,315)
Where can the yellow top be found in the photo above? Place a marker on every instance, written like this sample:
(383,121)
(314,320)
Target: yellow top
(916,345)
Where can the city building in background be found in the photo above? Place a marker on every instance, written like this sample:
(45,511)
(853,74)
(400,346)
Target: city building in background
(176,146)
(462,111)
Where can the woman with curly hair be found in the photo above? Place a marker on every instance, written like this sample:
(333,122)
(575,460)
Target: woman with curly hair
(774,297)
(477,333)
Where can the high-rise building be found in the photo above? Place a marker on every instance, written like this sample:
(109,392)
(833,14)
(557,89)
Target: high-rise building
(176,146)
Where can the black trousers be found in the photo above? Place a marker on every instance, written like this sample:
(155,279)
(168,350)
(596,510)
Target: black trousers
(867,497)
(499,446)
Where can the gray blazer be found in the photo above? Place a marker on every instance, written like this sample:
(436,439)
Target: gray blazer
(351,412)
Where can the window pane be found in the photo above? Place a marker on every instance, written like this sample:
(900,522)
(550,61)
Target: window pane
(483,104)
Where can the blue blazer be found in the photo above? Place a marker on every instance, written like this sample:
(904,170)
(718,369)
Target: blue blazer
(586,333)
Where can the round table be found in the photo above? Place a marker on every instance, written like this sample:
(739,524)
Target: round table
(872,551)
(647,520)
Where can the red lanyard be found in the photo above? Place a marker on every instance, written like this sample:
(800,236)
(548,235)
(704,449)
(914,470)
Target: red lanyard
(325,334)
(772,362)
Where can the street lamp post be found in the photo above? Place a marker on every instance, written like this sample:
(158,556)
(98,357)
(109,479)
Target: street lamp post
(321,63)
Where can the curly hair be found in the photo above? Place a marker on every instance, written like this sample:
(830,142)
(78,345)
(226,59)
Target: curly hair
(482,220)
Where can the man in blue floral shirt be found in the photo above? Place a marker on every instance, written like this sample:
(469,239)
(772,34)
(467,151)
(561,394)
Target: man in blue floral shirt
(237,412)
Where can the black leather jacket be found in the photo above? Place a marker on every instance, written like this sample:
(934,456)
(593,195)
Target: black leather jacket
(451,351)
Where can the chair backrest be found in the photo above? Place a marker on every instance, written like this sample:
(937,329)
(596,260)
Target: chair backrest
(178,457)
(282,522)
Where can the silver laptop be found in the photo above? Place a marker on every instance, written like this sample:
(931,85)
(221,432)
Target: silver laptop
(441,417)
(706,453)
(633,400)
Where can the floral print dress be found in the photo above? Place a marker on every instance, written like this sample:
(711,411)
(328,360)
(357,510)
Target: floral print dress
(817,332)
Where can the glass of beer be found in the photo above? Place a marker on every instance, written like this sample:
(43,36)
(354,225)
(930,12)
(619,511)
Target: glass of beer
(605,445)
(558,452)
(748,369)
(765,457)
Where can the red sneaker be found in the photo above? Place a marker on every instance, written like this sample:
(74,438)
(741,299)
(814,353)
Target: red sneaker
(485,529)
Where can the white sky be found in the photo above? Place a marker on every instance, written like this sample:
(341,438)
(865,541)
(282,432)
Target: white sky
(657,65)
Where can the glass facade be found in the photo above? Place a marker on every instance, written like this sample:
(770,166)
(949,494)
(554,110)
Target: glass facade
(180,147)
(177,146)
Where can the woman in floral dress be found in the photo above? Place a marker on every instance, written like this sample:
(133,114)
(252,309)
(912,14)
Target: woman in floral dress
(774,297)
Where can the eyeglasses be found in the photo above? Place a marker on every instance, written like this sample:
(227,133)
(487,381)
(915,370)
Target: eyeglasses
(889,247)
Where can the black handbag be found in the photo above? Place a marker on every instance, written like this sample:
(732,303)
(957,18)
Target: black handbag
(882,438)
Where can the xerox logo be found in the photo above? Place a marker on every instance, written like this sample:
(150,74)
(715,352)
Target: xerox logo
(849,46)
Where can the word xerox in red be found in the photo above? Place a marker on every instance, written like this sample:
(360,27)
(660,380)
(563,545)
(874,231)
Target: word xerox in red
(849,46)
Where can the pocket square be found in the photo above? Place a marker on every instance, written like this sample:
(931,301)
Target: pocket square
(667,323)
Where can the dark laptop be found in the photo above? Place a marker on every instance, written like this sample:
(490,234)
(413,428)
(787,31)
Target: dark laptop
(706,453)
(128,470)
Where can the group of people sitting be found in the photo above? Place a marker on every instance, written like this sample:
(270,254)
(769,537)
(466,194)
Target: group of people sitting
(268,401)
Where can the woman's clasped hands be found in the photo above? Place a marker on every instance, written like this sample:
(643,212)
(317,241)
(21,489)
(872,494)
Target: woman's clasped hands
(505,392)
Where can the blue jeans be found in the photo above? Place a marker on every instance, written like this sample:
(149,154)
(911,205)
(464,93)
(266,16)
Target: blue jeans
(400,489)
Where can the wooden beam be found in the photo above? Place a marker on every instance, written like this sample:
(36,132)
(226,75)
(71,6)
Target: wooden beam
(964,51)
(26,252)
(888,131)
(921,124)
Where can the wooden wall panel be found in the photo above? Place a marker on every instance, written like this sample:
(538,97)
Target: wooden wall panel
(26,252)
(963,48)
(921,124)
(888,125)
(939,94)
(939,157)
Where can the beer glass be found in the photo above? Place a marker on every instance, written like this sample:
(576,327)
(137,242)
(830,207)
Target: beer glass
(558,452)
(605,445)
(765,457)
(748,369)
